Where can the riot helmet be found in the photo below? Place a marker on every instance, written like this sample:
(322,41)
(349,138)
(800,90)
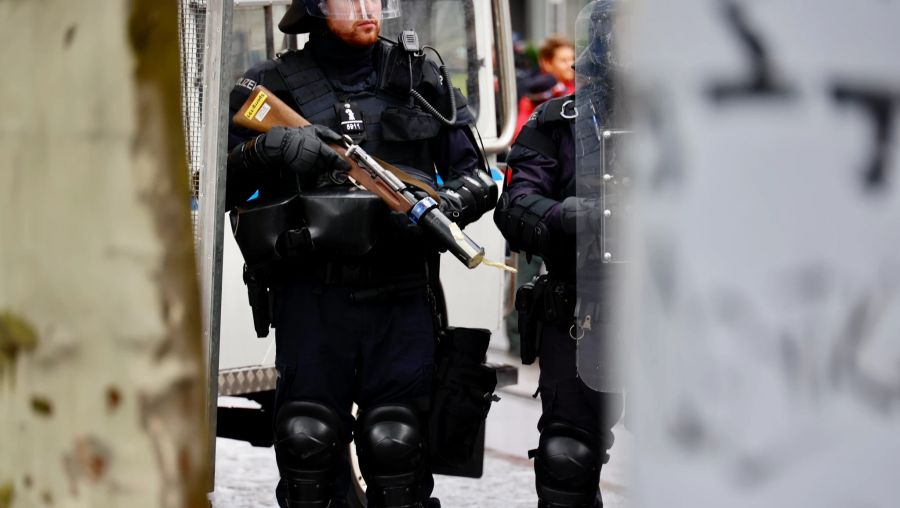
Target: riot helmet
(600,64)
(302,14)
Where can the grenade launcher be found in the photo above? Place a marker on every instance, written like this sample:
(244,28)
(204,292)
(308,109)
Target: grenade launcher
(263,110)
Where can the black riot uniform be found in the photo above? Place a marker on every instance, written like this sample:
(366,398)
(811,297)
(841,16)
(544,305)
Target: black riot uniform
(353,300)
(536,215)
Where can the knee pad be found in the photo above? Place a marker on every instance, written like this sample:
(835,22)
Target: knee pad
(391,452)
(308,447)
(566,467)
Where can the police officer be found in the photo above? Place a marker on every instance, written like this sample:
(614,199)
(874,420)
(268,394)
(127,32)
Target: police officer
(355,323)
(542,212)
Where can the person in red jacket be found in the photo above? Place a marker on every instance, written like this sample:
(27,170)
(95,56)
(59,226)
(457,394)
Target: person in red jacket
(555,59)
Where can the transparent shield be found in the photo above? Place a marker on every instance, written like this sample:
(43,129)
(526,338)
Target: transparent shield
(602,185)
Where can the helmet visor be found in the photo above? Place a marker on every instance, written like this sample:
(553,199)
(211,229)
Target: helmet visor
(356,9)
(599,28)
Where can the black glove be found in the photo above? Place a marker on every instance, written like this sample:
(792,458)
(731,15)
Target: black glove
(403,226)
(301,150)
(465,199)
(580,215)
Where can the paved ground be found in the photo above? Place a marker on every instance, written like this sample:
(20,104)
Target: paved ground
(245,476)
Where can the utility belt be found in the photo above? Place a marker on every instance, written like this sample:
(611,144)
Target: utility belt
(542,301)
(280,235)
(328,235)
(369,280)
(364,273)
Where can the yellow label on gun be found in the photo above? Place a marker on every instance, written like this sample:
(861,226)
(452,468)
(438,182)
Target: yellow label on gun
(255,105)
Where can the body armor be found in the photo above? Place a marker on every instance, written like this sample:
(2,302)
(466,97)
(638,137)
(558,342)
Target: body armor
(384,122)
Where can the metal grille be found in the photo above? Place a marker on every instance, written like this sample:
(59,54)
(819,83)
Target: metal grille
(203,27)
(192,30)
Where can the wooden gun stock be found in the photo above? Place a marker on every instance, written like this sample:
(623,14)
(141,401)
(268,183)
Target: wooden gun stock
(263,110)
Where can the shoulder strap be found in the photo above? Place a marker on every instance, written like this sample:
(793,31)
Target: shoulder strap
(306,82)
(384,52)
(560,108)
(408,179)
(532,138)
(554,110)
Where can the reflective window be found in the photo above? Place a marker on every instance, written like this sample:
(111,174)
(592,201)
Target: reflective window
(448,26)
(255,35)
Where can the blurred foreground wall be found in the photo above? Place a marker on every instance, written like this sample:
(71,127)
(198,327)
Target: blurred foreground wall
(101,372)
(768,298)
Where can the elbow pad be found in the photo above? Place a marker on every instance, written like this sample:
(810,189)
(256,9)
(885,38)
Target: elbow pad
(236,159)
(465,199)
(580,216)
(244,174)
(522,222)
(245,159)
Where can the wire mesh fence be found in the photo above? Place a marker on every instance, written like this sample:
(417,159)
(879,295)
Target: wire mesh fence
(192,31)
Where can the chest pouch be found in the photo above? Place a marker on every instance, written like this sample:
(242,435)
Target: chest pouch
(401,124)
(267,231)
(342,220)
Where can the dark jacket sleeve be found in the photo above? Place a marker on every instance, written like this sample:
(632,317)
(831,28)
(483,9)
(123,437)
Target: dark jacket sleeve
(533,173)
(528,213)
(468,191)
(243,181)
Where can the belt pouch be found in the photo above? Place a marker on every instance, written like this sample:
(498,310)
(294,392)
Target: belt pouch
(463,393)
(342,220)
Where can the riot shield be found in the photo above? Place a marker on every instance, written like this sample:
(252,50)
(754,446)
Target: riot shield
(602,183)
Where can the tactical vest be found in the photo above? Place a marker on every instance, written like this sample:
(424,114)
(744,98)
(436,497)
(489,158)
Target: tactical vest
(394,129)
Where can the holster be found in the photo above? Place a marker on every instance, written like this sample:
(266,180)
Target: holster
(260,295)
(530,329)
(540,302)
(463,392)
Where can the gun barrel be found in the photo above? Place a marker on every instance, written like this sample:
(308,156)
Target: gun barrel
(360,156)
(450,235)
(424,212)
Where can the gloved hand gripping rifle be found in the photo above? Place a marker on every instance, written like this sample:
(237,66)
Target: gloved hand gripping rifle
(263,110)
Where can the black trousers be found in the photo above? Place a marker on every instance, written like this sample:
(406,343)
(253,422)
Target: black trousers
(334,351)
(564,396)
